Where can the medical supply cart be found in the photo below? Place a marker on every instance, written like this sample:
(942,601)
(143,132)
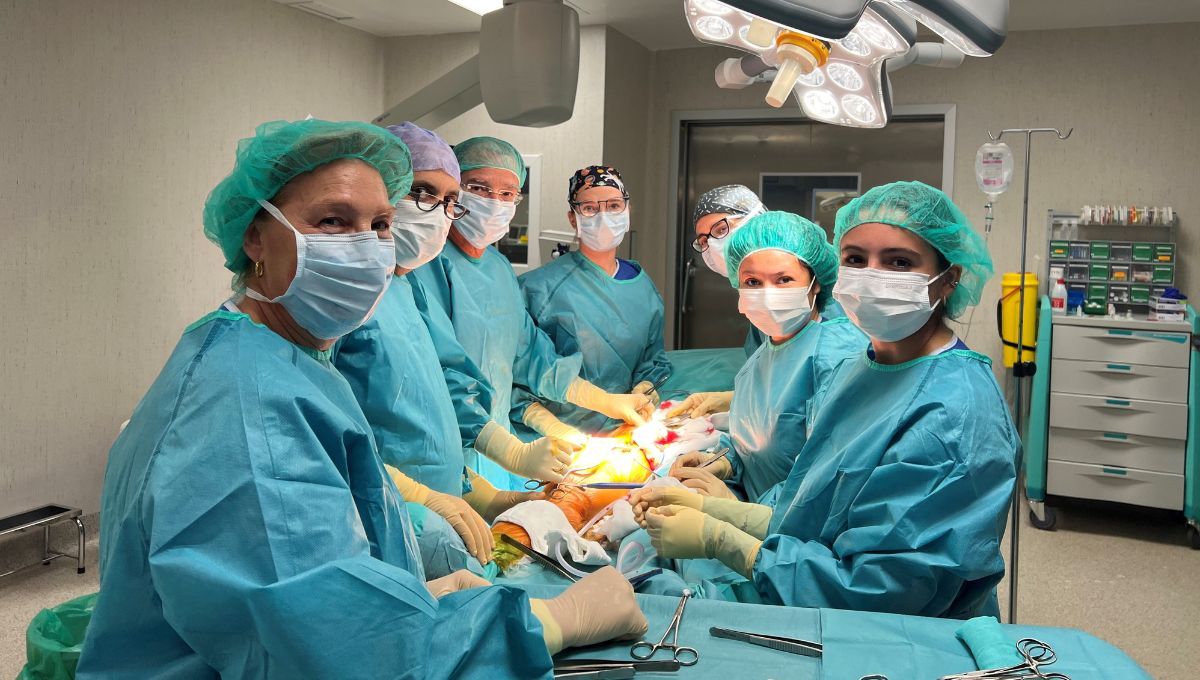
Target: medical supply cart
(1115,407)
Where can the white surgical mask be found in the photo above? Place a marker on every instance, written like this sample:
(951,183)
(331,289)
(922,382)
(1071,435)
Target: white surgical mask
(888,306)
(604,230)
(714,256)
(488,220)
(339,279)
(776,311)
(418,235)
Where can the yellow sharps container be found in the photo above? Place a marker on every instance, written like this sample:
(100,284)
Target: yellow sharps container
(1010,296)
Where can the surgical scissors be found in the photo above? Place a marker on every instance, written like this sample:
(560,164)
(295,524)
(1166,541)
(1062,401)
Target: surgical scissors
(1036,654)
(686,656)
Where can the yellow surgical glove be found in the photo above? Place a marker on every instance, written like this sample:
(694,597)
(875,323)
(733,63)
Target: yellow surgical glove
(544,459)
(657,496)
(704,482)
(489,501)
(678,532)
(598,608)
(752,518)
(702,404)
(647,388)
(632,408)
(547,424)
(475,533)
(721,468)
(459,580)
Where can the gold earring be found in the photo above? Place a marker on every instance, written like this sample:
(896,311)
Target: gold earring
(258,269)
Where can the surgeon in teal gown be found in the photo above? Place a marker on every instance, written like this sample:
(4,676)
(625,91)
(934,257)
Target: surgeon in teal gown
(250,529)
(898,501)
(593,303)
(768,411)
(476,288)
(420,392)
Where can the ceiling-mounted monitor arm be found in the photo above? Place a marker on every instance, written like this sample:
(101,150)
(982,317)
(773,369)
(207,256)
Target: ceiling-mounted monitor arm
(441,101)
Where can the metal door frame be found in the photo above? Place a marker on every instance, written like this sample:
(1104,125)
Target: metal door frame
(675,207)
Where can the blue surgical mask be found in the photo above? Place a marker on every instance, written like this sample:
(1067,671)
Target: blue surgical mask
(487,221)
(339,279)
(604,230)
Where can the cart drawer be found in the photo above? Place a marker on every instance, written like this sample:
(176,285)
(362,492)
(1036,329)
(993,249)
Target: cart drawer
(1109,379)
(1117,449)
(1122,485)
(1161,419)
(1150,348)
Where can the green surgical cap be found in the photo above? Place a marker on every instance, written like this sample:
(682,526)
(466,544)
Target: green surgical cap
(489,152)
(276,154)
(930,214)
(777,230)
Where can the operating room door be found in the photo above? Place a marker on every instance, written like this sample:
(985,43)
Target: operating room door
(794,165)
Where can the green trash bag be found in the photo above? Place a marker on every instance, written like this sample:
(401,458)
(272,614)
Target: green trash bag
(55,638)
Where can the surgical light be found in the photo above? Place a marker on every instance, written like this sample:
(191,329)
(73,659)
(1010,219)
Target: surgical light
(831,56)
(816,69)
(844,76)
(714,28)
(859,108)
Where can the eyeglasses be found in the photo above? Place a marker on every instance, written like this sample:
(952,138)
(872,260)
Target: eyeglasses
(427,202)
(504,195)
(592,208)
(719,230)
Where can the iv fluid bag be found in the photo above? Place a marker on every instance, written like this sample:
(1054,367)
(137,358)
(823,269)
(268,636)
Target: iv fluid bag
(993,168)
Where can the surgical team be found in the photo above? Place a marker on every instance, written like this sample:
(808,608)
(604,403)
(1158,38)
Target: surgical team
(311,479)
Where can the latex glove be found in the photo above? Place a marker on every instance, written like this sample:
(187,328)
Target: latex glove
(459,580)
(647,388)
(752,518)
(678,532)
(702,404)
(547,424)
(598,608)
(475,533)
(721,468)
(545,459)
(489,501)
(632,408)
(704,482)
(655,496)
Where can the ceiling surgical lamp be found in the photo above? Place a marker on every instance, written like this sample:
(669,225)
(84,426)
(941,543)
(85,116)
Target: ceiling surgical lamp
(831,54)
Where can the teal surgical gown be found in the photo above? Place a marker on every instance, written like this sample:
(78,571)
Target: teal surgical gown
(768,414)
(617,326)
(250,532)
(482,301)
(395,368)
(898,501)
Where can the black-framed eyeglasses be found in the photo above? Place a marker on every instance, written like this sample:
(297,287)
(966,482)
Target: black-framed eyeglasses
(593,208)
(718,231)
(504,195)
(427,202)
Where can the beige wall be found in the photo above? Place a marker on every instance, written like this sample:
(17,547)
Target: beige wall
(116,120)
(627,75)
(1136,131)
(412,63)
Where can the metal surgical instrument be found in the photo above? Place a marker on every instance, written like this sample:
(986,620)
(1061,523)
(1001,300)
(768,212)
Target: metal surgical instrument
(686,656)
(783,644)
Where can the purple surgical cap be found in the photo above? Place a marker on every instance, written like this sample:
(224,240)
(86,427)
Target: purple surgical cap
(429,152)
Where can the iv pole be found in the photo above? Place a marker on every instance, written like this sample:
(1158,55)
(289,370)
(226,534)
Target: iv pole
(1020,370)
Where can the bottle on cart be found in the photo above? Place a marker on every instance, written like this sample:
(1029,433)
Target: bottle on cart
(1058,297)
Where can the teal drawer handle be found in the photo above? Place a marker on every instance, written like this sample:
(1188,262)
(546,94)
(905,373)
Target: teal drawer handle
(1116,331)
(1120,367)
(1117,436)
(1178,339)
(1117,402)
(1113,471)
